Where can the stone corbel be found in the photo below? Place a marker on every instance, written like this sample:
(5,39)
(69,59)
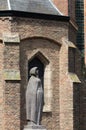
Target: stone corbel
(11,38)
(74,78)
(11,75)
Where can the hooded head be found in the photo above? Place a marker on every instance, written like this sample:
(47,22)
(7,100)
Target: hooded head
(34,71)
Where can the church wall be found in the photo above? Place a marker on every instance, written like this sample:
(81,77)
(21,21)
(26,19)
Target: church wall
(35,36)
(66,92)
(4,26)
(27,28)
(1,87)
(9,111)
(83,106)
(34,27)
(12,87)
(12,105)
(72,32)
(66,7)
(70,84)
(71,10)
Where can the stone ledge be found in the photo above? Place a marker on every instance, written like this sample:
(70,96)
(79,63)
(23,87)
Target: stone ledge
(69,43)
(74,78)
(34,127)
(11,74)
(11,38)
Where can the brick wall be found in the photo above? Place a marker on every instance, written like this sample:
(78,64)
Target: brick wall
(42,36)
(4,26)
(72,9)
(1,87)
(66,7)
(69,91)
(83,106)
(14,96)
(12,88)
(41,28)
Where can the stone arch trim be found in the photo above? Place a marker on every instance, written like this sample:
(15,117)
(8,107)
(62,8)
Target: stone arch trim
(46,38)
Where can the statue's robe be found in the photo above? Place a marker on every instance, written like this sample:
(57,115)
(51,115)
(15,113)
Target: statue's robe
(34,100)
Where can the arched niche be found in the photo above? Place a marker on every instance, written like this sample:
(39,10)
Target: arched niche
(40,61)
(46,53)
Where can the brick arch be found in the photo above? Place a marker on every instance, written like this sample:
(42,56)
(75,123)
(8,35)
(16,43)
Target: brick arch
(42,37)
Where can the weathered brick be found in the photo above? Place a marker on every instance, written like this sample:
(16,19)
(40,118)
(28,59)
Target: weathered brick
(41,38)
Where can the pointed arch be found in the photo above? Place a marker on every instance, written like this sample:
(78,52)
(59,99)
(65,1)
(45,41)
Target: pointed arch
(40,61)
(41,57)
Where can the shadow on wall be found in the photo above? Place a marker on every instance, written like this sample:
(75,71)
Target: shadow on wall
(76,106)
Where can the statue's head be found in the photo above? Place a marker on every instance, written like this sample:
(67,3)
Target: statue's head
(34,71)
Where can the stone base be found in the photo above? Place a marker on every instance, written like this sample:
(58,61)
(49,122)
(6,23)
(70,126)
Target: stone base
(34,127)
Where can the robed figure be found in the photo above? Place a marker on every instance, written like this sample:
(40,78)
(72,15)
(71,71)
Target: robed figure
(34,98)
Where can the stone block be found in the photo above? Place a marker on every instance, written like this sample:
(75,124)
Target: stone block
(11,37)
(34,127)
(11,74)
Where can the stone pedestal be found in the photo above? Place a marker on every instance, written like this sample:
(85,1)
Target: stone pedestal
(34,127)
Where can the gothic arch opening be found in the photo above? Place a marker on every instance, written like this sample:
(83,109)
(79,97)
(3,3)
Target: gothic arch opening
(35,62)
(38,60)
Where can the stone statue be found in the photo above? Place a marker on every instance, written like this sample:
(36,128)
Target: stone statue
(34,98)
